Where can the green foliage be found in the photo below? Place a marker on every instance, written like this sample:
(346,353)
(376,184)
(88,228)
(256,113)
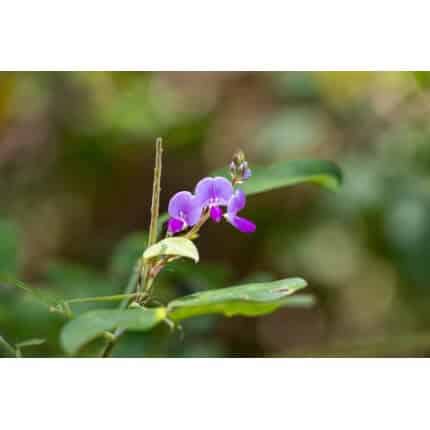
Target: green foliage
(293,172)
(248,300)
(173,246)
(81,330)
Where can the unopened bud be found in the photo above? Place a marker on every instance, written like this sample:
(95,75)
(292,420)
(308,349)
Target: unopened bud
(239,169)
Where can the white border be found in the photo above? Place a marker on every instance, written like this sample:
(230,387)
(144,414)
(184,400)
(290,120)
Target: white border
(222,35)
(214,393)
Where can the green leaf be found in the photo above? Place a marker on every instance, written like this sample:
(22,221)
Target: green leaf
(174,246)
(248,300)
(287,173)
(81,330)
(293,172)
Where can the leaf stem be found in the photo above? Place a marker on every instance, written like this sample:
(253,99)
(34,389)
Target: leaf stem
(114,298)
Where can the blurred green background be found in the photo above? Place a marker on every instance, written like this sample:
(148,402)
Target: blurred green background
(76,164)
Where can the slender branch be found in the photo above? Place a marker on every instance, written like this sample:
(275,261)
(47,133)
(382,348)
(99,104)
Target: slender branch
(156,190)
(114,298)
(155,212)
(198,226)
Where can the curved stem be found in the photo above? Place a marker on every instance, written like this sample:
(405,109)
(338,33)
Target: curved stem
(198,226)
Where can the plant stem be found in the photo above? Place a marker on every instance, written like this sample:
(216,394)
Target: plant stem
(155,211)
(198,226)
(7,346)
(114,298)
(156,190)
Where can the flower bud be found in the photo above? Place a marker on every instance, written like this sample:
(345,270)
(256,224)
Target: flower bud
(239,169)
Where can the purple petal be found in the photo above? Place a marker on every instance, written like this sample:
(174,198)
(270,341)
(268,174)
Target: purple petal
(236,203)
(180,203)
(214,191)
(216,213)
(242,224)
(185,206)
(175,225)
(194,213)
(246,174)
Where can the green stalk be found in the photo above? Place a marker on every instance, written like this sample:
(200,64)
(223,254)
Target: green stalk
(144,281)
(114,298)
(156,191)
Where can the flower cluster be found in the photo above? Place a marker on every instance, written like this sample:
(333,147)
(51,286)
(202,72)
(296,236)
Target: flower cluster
(211,195)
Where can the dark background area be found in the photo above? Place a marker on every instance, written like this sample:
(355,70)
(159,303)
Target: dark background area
(76,164)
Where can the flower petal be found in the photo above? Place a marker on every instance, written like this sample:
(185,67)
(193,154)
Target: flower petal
(180,203)
(216,213)
(185,206)
(192,217)
(246,174)
(214,191)
(242,224)
(175,225)
(236,203)
(223,189)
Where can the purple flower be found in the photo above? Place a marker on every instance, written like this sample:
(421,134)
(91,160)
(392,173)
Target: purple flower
(235,205)
(184,210)
(212,193)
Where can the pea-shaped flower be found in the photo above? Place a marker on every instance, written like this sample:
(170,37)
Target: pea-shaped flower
(213,193)
(235,205)
(184,210)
